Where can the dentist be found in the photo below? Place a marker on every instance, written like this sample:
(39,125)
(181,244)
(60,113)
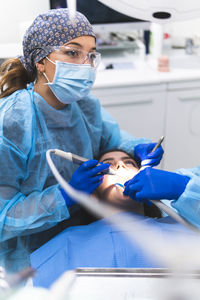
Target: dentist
(46,103)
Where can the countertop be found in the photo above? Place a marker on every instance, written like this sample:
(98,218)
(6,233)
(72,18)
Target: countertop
(144,72)
(133,70)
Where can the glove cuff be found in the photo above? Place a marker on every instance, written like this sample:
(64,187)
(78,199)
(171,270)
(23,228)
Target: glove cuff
(69,202)
(181,184)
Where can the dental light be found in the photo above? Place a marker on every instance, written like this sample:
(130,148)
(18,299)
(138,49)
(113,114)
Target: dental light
(157,11)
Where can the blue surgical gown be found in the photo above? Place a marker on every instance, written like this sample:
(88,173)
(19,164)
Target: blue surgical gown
(99,245)
(188,204)
(30,200)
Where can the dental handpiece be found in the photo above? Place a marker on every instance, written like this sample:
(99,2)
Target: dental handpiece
(158,143)
(76,159)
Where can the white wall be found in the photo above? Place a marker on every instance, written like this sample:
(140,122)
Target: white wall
(15,12)
(182,30)
(16,16)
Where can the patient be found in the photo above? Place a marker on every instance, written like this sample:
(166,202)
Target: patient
(100,244)
(111,190)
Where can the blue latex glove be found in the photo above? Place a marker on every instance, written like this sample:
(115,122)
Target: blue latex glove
(69,201)
(155,185)
(143,155)
(86,178)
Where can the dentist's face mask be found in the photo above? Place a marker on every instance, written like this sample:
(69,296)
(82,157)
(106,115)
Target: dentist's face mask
(71,82)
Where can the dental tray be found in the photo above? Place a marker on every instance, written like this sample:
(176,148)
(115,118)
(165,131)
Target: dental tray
(127,284)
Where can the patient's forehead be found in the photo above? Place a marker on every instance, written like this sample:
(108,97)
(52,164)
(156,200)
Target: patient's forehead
(117,155)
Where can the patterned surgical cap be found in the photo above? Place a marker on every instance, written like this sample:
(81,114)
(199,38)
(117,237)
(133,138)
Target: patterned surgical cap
(53,28)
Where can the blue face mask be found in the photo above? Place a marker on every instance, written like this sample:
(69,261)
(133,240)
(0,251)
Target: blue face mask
(71,82)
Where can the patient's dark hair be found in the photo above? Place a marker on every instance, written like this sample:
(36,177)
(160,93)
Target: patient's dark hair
(98,157)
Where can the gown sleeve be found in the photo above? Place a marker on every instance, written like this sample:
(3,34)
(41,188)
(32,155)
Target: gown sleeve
(24,208)
(188,204)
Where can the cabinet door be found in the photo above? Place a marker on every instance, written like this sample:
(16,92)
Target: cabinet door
(182,138)
(138,110)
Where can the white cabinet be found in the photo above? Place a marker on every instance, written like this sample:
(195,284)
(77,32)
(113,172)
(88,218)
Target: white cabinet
(182,133)
(138,110)
(152,110)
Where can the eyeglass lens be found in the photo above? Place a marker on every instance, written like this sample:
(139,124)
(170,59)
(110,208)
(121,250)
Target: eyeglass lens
(79,56)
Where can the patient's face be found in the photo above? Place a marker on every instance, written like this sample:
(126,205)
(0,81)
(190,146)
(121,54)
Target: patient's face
(126,168)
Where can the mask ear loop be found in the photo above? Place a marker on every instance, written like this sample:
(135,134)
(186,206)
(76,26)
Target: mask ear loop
(50,60)
(45,75)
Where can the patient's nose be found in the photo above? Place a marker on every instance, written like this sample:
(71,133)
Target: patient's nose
(120,164)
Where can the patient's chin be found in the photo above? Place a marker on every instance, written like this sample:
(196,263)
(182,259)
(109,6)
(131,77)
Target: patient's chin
(115,195)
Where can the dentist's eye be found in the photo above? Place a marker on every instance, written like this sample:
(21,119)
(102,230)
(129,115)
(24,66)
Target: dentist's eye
(72,53)
(69,52)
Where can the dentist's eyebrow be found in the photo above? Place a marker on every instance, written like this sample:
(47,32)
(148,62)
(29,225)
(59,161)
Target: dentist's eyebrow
(79,45)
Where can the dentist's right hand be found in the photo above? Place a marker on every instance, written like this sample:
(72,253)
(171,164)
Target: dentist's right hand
(86,178)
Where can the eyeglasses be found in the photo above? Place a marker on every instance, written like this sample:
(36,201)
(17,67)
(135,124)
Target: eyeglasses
(78,56)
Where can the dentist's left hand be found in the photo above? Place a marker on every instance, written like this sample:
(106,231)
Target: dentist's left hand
(155,184)
(86,178)
(143,154)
